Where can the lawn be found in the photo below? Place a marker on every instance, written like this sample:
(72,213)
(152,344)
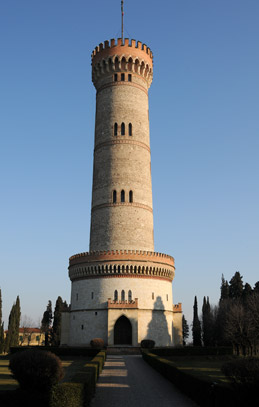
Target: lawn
(208,367)
(6,380)
(70,364)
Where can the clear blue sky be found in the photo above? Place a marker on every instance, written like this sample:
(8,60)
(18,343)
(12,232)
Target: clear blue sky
(204,120)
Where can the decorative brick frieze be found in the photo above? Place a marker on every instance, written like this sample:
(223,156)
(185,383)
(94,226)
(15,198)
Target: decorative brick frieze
(123,263)
(119,304)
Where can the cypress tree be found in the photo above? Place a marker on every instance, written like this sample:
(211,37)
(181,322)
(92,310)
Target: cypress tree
(1,315)
(17,320)
(2,338)
(185,328)
(56,332)
(224,289)
(196,325)
(236,286)
(207,323)
(46,322)
(1,326)
(12,337)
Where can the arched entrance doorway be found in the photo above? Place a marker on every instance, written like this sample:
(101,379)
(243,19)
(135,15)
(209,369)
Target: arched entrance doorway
(123,331)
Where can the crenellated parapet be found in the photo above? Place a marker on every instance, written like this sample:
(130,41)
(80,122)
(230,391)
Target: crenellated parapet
(121,263)
(177,307)
(128,56)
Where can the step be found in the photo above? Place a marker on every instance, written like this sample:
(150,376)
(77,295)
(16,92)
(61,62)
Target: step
(123,350)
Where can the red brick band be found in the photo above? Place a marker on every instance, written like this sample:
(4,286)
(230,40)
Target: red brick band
(133,204)
(122,141)
(153,277)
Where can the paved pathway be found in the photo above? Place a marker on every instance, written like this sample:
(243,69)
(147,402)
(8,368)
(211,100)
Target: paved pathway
(129,381)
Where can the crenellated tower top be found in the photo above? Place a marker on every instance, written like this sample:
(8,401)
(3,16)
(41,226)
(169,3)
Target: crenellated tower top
(122,56)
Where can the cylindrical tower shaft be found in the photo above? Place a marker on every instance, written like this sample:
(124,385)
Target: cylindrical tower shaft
(122,215)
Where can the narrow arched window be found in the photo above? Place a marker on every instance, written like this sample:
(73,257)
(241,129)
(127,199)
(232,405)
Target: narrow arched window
(123,129)
(115,129)
(115,295)
(114,196)
(115,77)
(123,295)
(129,296)
(131,196)
(130,129)
(123,77)
(129,77)
(122,195)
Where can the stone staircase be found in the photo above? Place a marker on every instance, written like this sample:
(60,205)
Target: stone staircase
(123,350)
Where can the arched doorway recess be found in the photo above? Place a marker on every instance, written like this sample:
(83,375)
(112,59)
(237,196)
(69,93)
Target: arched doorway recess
(123,331)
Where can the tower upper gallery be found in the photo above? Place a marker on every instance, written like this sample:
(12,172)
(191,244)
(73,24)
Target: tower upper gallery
(128,56)
(122,210)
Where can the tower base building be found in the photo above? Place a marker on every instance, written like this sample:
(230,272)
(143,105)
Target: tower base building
(122,289)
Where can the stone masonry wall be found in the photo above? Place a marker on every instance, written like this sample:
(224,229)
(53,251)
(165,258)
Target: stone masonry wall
(93,293)
(90,317)
(122,162)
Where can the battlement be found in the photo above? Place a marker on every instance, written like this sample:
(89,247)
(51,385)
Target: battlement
(110,47)
(133,57)
(177,307)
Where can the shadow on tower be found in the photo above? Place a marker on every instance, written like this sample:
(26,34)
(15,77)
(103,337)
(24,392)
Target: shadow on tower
(158,326)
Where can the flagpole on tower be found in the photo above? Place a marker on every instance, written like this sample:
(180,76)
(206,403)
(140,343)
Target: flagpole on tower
(122,14)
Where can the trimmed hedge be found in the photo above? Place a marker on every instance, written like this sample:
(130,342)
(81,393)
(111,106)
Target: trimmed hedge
(193,351)
(147,344)
(75,393)
(202,391)
(59,350)
(69,395)
(81,388)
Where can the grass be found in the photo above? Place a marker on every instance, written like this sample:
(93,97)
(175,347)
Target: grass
(71,366)
(6,380)
(207,367)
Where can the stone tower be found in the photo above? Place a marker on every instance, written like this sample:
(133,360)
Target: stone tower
(121,288)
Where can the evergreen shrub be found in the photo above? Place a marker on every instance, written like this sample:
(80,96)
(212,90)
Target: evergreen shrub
(147,344)
(97,343)
(36,370)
